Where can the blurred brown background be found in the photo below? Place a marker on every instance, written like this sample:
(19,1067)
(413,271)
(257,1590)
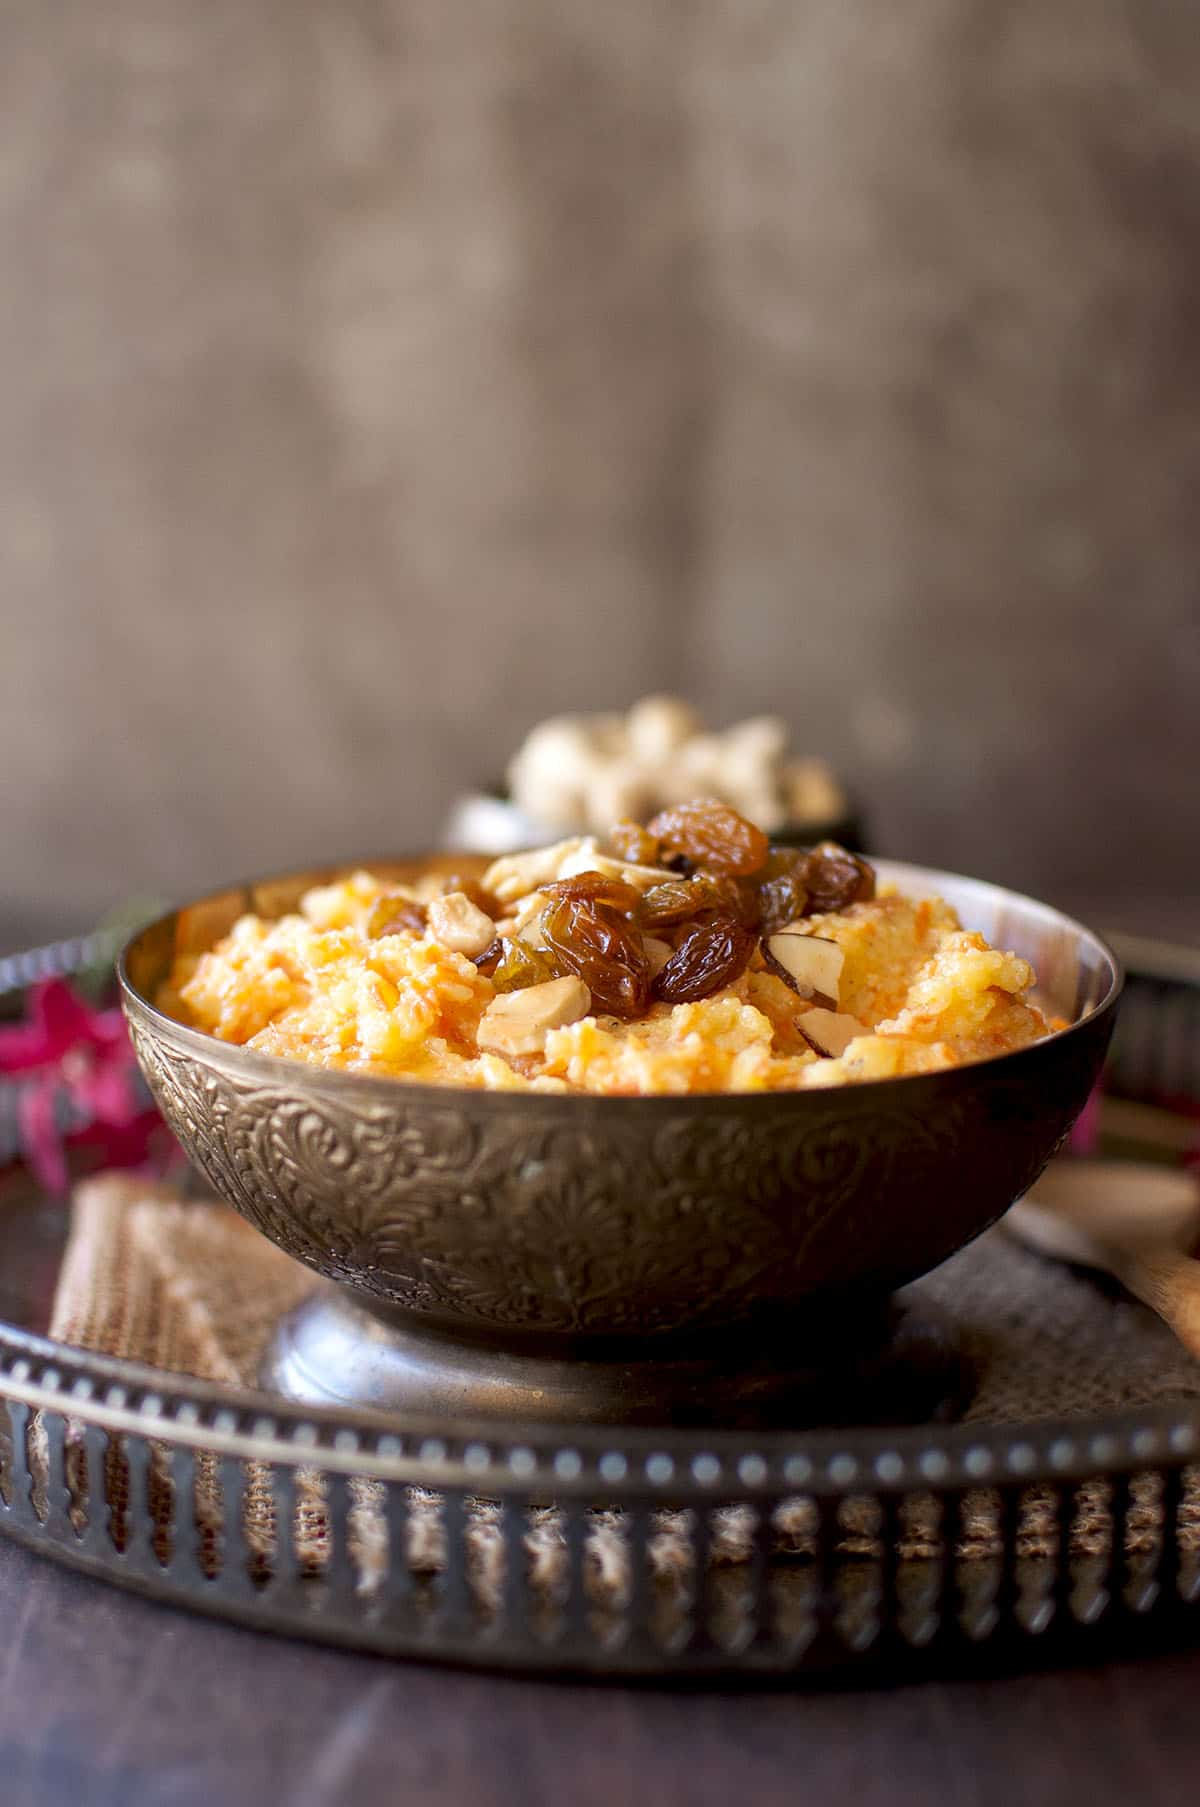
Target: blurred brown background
(376,378)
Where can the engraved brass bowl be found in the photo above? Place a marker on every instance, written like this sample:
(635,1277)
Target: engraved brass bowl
(519,1228)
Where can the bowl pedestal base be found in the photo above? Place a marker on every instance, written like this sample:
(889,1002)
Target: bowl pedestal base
(890,1361)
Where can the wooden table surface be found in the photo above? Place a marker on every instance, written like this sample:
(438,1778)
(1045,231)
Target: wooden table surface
(110,1701)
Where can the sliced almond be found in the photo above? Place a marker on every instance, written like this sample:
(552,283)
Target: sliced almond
(829,1031)
(460,925)
(657,953)
(516,874)
(810,964)
(516,1022)
(527,919)
(586,857)
(529,907)
(530,929)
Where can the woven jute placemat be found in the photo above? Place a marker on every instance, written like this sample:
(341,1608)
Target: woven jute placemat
(189,1288)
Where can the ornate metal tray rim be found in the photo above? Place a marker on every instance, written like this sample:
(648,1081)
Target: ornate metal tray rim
(499,1455)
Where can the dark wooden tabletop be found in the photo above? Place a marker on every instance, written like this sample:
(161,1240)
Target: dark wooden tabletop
(109,1701)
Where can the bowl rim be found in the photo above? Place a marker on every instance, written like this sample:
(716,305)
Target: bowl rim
(383,1086)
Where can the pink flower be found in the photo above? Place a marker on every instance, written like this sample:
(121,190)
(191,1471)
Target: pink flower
(76,1064)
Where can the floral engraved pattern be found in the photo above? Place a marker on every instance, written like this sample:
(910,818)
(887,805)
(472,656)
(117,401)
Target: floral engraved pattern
(596,1216)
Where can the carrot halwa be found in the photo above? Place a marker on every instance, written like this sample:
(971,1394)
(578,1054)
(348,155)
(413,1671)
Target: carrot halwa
(688,956)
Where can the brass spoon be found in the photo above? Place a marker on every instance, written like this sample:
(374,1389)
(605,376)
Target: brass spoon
(1134,1221)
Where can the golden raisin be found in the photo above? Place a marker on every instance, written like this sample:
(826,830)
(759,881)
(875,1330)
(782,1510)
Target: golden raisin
(835,879)
(711,954)
(394,915)
(711,835)
(673,901)
(630,841)
(732,896)
(595,887)
(520,965)
(782,888)
(603,950)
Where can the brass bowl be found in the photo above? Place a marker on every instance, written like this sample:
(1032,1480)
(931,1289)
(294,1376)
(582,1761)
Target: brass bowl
(567,1225)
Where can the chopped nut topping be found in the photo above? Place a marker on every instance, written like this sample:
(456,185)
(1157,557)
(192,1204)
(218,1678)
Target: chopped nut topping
(639,932)
(460,925)
(810,964)
(516,1022)
(830,1032)
(528,910)
(529,924)
(657,953)
(586,857)
(516,874)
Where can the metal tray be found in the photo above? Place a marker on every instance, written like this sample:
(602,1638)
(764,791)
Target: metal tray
(179,1489)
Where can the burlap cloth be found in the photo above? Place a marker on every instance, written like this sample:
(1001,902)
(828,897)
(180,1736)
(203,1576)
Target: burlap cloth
(189,1288)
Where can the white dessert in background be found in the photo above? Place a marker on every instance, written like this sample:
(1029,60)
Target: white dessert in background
(582,772)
